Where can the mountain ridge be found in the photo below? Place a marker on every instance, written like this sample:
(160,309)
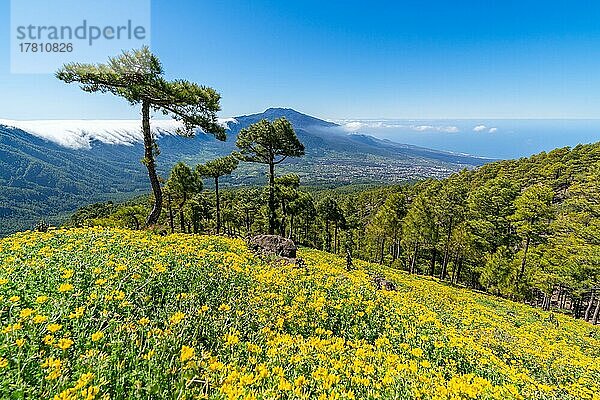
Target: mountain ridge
(45,175)
(127,131)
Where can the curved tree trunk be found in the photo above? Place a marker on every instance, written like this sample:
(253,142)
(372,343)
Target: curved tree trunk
(458,270)
(151,165)
(181,220)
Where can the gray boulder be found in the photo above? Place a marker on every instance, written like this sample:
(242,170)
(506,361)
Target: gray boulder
(383,284)
(273,244)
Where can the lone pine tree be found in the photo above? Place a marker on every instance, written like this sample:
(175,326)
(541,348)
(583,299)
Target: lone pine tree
(137,76)
(269,143)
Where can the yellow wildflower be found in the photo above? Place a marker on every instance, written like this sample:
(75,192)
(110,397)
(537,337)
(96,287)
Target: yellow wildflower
(224,307)
(176,318)
(187,353)
(53,328)
(300,381)
(78,313)
(284,384)
(11,328)
(65,287)
(148,355)
(203,309)
(54,366)
(417,352)
(64,343)
(39,319)
(67,273)
(231,339)
(48,339)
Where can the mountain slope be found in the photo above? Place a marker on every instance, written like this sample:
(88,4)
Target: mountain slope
(40,179)
(236,326)
(52,167)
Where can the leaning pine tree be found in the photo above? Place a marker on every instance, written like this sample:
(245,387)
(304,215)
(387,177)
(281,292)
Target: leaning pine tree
(137,76)
(269,143)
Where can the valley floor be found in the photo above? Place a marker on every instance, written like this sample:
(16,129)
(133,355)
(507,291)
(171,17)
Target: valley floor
(100,313)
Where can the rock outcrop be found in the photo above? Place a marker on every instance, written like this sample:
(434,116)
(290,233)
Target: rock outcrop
(273,245)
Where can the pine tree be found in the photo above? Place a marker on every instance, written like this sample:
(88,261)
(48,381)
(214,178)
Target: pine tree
(215,169)
(138,77)
(269,143)
(183,183)
(532,217)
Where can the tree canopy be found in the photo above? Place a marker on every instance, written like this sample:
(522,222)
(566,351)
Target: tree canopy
(269,143)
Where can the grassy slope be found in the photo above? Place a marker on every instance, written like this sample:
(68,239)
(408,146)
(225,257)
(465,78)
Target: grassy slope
(163,317)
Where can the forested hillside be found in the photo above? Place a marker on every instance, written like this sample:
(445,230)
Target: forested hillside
(526,229)
(42,180)
(513,228)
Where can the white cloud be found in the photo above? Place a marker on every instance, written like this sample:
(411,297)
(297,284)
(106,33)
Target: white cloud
(353,126)
(79,134)
(440,128)
(358,125)
(483,128)
(450,129)
(423,128)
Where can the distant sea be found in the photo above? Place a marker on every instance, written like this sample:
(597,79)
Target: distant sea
(504,138)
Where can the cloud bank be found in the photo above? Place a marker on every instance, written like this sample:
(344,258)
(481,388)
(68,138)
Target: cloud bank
(362,125)
(79,134)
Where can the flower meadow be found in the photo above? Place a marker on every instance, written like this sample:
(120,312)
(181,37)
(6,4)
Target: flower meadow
(107,314)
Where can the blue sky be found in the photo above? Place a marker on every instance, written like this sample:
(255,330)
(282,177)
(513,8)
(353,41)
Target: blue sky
(349,59)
